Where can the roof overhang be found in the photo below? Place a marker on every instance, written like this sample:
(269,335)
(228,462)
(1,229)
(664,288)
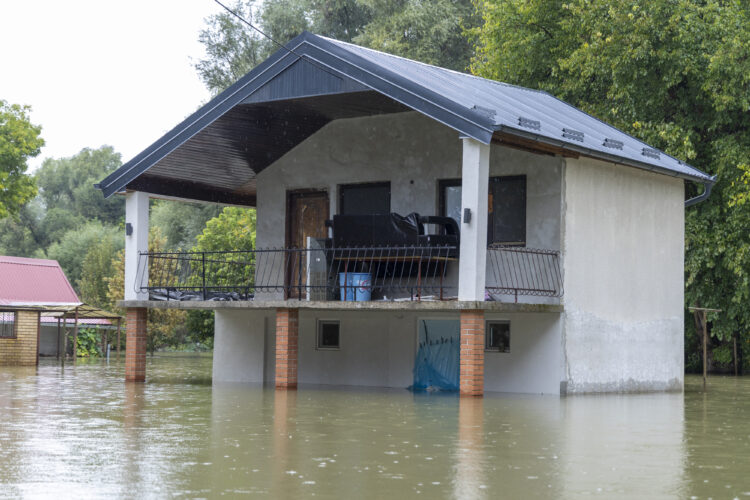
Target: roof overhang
(215,154)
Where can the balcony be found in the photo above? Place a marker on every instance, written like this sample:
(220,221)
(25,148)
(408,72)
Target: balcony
(374,275)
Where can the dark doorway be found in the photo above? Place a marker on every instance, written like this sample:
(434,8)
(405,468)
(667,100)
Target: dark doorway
(307,212)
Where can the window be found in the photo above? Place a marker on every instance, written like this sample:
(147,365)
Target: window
(7,325)
(365,199)
(497,336)
(506,222)
(328,334)
(507,218)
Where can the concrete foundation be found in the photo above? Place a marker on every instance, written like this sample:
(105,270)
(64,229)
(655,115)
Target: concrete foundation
(378,349)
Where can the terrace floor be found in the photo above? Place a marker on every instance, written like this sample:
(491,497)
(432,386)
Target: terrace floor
(333,305)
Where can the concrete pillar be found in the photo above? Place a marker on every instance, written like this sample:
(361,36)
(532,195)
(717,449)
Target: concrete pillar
(287,338)
(135,347)
(136,215)
(472,353)
(475,172)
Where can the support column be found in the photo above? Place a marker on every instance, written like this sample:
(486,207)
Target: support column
(287,335)
(135,346)
(472,353)
(475,172)
(136,224)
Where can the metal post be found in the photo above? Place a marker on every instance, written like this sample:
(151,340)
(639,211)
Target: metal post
(119,320)
(58,338)
(203,260)
(705,347)
(75,338)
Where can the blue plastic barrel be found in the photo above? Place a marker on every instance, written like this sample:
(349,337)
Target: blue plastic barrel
(355,286)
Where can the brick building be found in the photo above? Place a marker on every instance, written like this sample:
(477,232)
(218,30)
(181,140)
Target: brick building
(28,287)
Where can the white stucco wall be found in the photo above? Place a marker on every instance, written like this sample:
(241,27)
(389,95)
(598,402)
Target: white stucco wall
(623,269)
(413,153)
(378,348)
(239,346)
(534,363)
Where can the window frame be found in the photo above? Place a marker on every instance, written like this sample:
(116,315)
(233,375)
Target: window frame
(487,347)
(14,333)
(342,187)
(444,183)
(319,334)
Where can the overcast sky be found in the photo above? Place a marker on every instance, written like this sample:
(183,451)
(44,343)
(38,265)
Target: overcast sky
(101,72)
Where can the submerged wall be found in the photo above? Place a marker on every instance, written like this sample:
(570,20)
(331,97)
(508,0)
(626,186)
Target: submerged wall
(378,349)
(623,269)
(21,350)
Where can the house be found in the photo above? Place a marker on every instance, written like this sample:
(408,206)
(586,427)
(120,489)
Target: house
(546,256)
(37,304)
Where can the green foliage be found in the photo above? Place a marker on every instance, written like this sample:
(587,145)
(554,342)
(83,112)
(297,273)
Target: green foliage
(232,230)
(74,245)
(181,223)
(675,73)
(89,343)
(19,141)
(431,32)
(67,185)
(96,267)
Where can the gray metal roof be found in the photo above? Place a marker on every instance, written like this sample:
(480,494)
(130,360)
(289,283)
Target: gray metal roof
(510,105)
(216,153)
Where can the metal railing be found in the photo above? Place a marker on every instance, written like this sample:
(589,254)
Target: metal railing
(371,273)
(523,271)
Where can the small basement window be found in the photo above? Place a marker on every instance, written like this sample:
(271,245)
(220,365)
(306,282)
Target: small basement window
(7,325)
(328,334)
(497,336)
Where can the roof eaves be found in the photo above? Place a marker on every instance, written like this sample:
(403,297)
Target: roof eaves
(199,120)
(605,156)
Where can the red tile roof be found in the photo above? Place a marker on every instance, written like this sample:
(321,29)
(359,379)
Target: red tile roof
(26,281)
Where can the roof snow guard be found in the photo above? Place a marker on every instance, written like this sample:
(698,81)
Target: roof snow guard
(215,154)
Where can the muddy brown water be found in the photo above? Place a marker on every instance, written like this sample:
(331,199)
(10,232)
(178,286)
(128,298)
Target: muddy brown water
(81,432)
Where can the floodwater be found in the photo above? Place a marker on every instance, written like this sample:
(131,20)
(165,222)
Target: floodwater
(82,432)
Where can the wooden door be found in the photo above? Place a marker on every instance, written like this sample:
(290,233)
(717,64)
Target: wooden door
(307,212)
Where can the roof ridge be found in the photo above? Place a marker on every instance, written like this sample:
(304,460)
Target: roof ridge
(447,70)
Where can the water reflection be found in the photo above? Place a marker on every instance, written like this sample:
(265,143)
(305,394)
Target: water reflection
(83,432)
(469,481)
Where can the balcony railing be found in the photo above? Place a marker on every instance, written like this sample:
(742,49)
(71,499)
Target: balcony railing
(373,273)
(321,274)
(518,271)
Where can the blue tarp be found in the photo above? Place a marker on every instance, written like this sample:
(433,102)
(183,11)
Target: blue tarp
(437,363)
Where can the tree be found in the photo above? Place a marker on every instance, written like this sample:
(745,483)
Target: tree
(431,32)
(74,245)
(181,223)
(67,185)
(675,73)
(165,327)
(96,268)
(428,31)
(19,141)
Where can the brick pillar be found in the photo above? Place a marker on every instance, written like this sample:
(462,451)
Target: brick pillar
(135,346)
(287,335)
(472,353)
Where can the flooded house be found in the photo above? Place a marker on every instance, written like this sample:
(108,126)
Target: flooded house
(416,227)
(38,308)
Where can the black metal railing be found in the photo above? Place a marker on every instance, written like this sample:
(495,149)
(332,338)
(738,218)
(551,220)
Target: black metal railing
(372,273)
(523,271)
